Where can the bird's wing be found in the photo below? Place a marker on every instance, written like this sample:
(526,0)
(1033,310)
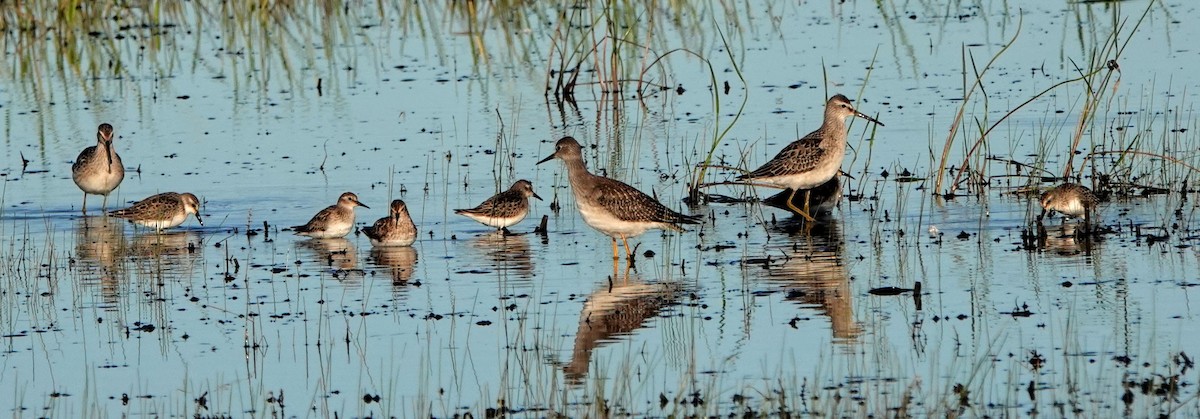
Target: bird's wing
(627,203)
(318,219)
(798,157)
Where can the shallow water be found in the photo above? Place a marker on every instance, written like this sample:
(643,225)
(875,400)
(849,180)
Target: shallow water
(747,312)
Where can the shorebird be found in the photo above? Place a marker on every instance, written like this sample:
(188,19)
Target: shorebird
(610,206)
(165,210)
(335,221)
(812,160)
(505,208)
(1070,199)
(397,229)
(98,169)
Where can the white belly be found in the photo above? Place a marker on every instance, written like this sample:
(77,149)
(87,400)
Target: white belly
(498,222)
(1073,208)
(100,183)
(613,227)
(164,223)
(806,180)
(333,230)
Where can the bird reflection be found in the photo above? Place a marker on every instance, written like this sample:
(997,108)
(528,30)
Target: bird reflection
(175,245)
(99,247)
(505,252)
(398,262)
(821,199)
(336,253)
(813,275)
(616,309)
(1067,239)
(159,255)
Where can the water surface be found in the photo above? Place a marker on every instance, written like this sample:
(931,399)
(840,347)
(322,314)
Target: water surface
(750,311)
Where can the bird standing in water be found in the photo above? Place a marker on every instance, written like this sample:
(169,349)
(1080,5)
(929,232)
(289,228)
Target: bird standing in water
(1070,199)
(397,229)
(610,206)
(98,169)
(505,208)
(165,210)
(812,160)
(334,221)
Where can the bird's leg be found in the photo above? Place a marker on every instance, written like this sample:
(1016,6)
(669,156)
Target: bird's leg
(807,197)
(615,257)
(84,209)
(628,256)
(104,203)
(792,206)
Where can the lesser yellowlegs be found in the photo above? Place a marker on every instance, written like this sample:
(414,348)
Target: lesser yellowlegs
(397,229)
(165,210)
(1070,199)
(610,206)
(335,221)
(812,160)
(505,208)
(98,169)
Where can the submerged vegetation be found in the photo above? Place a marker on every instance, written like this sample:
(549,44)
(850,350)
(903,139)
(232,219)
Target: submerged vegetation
(927,293)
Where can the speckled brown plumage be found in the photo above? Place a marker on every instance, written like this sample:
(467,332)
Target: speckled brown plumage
(611,206)
(333,221)
(505,208)
(1070,199)
(165,210)
(813,159)
(98,169)
(397,229)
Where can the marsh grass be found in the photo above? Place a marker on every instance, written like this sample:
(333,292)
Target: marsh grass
(1100,77)
(892,372)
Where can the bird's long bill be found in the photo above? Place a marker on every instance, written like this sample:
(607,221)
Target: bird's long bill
(864,116)
(198,220)
(108,151)
(362,205)
(535,195)
(548,158)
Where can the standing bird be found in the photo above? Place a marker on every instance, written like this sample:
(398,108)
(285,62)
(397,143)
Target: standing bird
(810,161)
(1070,199)
(98,169)
(397,229)
(610,206)
(165,210)
(505,208)
(335,221)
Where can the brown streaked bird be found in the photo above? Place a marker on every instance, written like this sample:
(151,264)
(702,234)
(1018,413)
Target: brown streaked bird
(610,206)
(165,210)
(505,208)
(397,229)
(812,160)
(98,169)
(334,221)
(1070,199)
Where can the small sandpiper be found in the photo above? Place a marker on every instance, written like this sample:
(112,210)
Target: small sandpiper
(335,221)
(397,229)
(165,210)
(98,169)
(610,206)
(1070,199)
(505,208)
(810,161)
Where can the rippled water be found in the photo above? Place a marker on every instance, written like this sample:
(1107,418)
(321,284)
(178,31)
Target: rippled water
(750,311)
